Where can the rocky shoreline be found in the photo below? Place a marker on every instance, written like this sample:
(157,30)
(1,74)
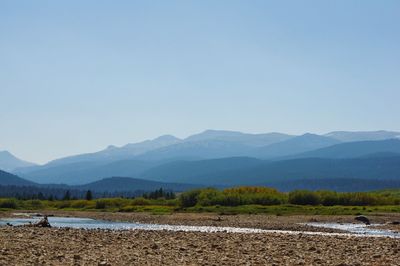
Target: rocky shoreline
(260,221)
(53,246)
(49,246)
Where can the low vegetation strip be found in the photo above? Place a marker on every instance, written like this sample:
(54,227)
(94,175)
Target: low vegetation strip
(268,196)
(226,201)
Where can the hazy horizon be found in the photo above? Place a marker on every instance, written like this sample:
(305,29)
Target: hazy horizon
(77,76)
(182,138)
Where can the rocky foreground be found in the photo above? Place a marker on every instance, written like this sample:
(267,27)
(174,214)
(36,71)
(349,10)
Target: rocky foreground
(52,246)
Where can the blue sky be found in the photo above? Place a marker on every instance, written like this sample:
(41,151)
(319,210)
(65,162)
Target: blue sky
(76,76)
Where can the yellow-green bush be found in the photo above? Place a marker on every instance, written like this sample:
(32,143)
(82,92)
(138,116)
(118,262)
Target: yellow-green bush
(113,203)
(232,197)
(140,202)
(83,204)
(8,203)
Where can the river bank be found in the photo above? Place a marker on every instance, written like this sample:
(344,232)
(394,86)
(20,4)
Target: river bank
(260,221)
(53,246)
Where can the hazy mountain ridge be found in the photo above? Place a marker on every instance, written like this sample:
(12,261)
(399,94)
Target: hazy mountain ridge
(112,153)
(265,172)
(114,184)
(218,142)
(198,170)
(8,179)
(300,144)
(109,184)
(308,173)
(254,140)
(85,172)
(202,149)
(355,149)
(221,137)
(348,136)
(168,153)
(9,162)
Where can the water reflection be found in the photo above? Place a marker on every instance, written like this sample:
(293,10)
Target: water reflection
(87,223)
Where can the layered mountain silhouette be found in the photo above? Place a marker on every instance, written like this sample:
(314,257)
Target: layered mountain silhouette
(114,184)
(216,157)
(111,184)
(356,149)
(255,140)
(250,172)
(112,153)
(85,172)
(300,144)
(7,179)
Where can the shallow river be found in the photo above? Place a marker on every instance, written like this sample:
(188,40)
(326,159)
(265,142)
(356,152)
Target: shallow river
(86,223)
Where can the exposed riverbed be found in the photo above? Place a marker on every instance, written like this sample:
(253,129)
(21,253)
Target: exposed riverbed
(355,229)
(66,246)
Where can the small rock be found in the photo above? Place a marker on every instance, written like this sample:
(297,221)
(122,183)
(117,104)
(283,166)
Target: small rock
(362,218)
(312,249)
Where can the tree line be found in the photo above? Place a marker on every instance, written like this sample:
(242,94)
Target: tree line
(61,193)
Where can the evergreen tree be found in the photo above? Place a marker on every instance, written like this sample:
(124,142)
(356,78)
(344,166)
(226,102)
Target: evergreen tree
(67,195)
(40,196)
(89,195)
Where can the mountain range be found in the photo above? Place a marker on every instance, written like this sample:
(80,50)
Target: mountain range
(216,157)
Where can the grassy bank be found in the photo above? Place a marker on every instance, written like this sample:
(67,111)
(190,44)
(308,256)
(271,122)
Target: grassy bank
(126,205)
(296,210)
(246,200)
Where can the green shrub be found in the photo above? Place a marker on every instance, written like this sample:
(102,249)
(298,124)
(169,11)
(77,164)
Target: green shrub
(140,202)
(82,204)
(100,204)
(329,198)
(304,197)
(232,197)
(189,198)
(35,204)
(8,203)
(62,204)
(208,197)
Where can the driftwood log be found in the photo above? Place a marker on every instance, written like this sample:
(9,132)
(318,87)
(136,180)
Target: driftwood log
(42,223)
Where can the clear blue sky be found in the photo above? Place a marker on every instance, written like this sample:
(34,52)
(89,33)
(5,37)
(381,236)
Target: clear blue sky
(76,76)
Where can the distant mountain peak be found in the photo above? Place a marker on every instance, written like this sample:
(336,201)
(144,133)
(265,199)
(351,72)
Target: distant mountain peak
(212,133)
(8,162)
(5,153)
(166,138)
(349,136)
(111,147)
(252,139)
(309,135)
